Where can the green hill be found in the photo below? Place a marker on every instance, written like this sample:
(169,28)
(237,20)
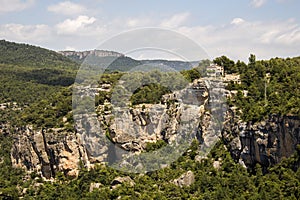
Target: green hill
(29,73)
(31,56)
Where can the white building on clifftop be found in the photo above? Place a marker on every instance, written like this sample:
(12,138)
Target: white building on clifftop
(215,70)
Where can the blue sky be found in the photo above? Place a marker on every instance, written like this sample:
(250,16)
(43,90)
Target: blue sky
(236,28)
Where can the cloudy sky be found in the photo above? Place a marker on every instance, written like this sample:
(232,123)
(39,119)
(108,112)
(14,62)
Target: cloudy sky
(236,28)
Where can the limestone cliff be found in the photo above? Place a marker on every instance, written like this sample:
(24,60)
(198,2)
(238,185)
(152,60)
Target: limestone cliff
(267,142)
(83,54)
(48,151)
(130,129)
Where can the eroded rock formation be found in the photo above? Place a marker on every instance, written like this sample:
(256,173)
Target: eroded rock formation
(48,151)
(84,54)
(186,179)
(266,142)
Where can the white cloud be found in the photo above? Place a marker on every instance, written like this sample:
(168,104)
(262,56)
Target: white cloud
(138,22)
(176,20)
(266,39)
(258,3)
(289,38)
(74,26)
(25,33)
(67,8)
(237,21)
(15,5)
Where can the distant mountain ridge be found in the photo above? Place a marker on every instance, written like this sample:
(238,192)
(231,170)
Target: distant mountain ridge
(124,63)
(80,55)
(174,64)
(36,57)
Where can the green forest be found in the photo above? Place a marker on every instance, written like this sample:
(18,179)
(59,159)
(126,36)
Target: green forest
(40,82)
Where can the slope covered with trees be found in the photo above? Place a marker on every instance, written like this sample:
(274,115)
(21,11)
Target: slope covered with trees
(29,73)
(273,86)
(31,56)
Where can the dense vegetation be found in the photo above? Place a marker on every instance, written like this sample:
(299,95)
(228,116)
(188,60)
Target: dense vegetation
(40,85)
(29,74)
(145,87)
(151,93)
(273,86)
(31,56)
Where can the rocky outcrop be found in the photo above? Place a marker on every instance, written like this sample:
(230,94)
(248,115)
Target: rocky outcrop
(186,179)
(266,142)
(133,128)
(217,164)
(83,54)
(121,180)
(94,186)
(48,151)
(130,129)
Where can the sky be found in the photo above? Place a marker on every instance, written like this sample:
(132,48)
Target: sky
(235,28)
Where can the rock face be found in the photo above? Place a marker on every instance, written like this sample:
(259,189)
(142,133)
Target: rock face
(94,186)
(133,128)
(130,129)
(185,179)
(266,142)
(84,54)
(47,152)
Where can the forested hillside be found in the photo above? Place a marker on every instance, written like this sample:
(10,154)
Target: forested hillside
(273,86)
(32,56)
(29,73)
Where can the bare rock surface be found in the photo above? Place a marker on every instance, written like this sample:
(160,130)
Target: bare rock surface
(186,179)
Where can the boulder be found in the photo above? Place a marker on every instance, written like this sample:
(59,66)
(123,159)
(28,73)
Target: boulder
(120,180)
(94,186)
(186,179)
